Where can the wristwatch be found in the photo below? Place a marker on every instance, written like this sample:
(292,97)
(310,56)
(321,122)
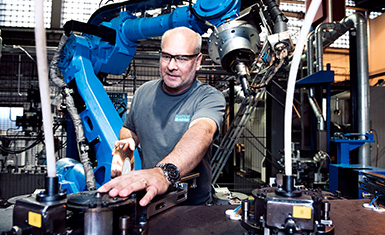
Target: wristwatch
(170,171)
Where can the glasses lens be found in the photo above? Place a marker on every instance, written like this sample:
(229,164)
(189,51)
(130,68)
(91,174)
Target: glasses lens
(180,59)
(164,56)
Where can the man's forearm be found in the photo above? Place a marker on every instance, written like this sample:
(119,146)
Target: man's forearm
(193,145)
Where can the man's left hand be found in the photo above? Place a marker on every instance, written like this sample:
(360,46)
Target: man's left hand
(152,181)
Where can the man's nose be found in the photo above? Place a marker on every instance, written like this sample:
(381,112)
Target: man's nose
(172,64)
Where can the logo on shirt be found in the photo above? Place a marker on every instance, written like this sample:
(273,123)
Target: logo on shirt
(182,118)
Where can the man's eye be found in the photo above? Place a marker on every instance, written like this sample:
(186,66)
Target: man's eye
(182,58)
(166,57)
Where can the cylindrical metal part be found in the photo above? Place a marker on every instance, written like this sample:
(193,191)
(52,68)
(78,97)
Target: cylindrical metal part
(363,87)
(245,209)
(288,183)
(124,224)
(242,74)
(310,53)
(98,222)
(52,185)
(326,210)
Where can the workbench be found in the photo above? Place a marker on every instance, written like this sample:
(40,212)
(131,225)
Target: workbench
(349,217)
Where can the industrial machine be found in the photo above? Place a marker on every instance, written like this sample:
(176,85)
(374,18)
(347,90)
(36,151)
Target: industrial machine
(287,209)
(106,45)
(52,211)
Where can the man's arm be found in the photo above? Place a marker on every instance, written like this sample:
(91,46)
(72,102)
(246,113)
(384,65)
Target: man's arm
(186,155)
(193,145)
(126,133)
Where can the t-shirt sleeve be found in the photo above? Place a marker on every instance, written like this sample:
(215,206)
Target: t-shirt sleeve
(129,122)
(212,105)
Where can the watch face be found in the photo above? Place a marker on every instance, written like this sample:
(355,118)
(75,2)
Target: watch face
(172,171)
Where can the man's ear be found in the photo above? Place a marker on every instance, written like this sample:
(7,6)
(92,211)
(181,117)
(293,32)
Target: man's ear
(199,61)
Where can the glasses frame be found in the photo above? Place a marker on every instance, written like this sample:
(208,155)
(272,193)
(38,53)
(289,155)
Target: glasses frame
(175,57)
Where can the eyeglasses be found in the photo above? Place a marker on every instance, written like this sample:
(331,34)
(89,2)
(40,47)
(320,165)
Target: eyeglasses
(179,59)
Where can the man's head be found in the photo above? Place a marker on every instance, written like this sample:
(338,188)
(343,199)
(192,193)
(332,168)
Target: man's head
(180,58)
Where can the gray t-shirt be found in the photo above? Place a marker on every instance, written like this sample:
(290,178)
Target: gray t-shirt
(160,120)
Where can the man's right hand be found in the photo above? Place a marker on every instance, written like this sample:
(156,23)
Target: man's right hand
(122,149)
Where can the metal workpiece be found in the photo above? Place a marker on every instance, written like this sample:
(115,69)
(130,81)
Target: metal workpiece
(280,210)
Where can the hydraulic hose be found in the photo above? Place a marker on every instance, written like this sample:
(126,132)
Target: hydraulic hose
(41,55)
(279,18)
(76,119)
(291,82)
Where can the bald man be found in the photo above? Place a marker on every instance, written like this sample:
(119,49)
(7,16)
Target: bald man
(174,121)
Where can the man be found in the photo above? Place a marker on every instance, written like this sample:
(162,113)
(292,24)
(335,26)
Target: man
(175,120)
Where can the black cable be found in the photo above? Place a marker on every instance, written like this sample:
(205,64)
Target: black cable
(39,139)
(10,151)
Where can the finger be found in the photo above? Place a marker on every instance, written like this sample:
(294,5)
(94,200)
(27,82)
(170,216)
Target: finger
(126,186)
(151,193)
(117,144)
(109,186)
(131,143)
(104,188)
(115,187)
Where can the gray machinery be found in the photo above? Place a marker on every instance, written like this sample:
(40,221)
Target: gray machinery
(287,209)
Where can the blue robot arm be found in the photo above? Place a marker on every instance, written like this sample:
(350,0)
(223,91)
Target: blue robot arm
(107,47)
